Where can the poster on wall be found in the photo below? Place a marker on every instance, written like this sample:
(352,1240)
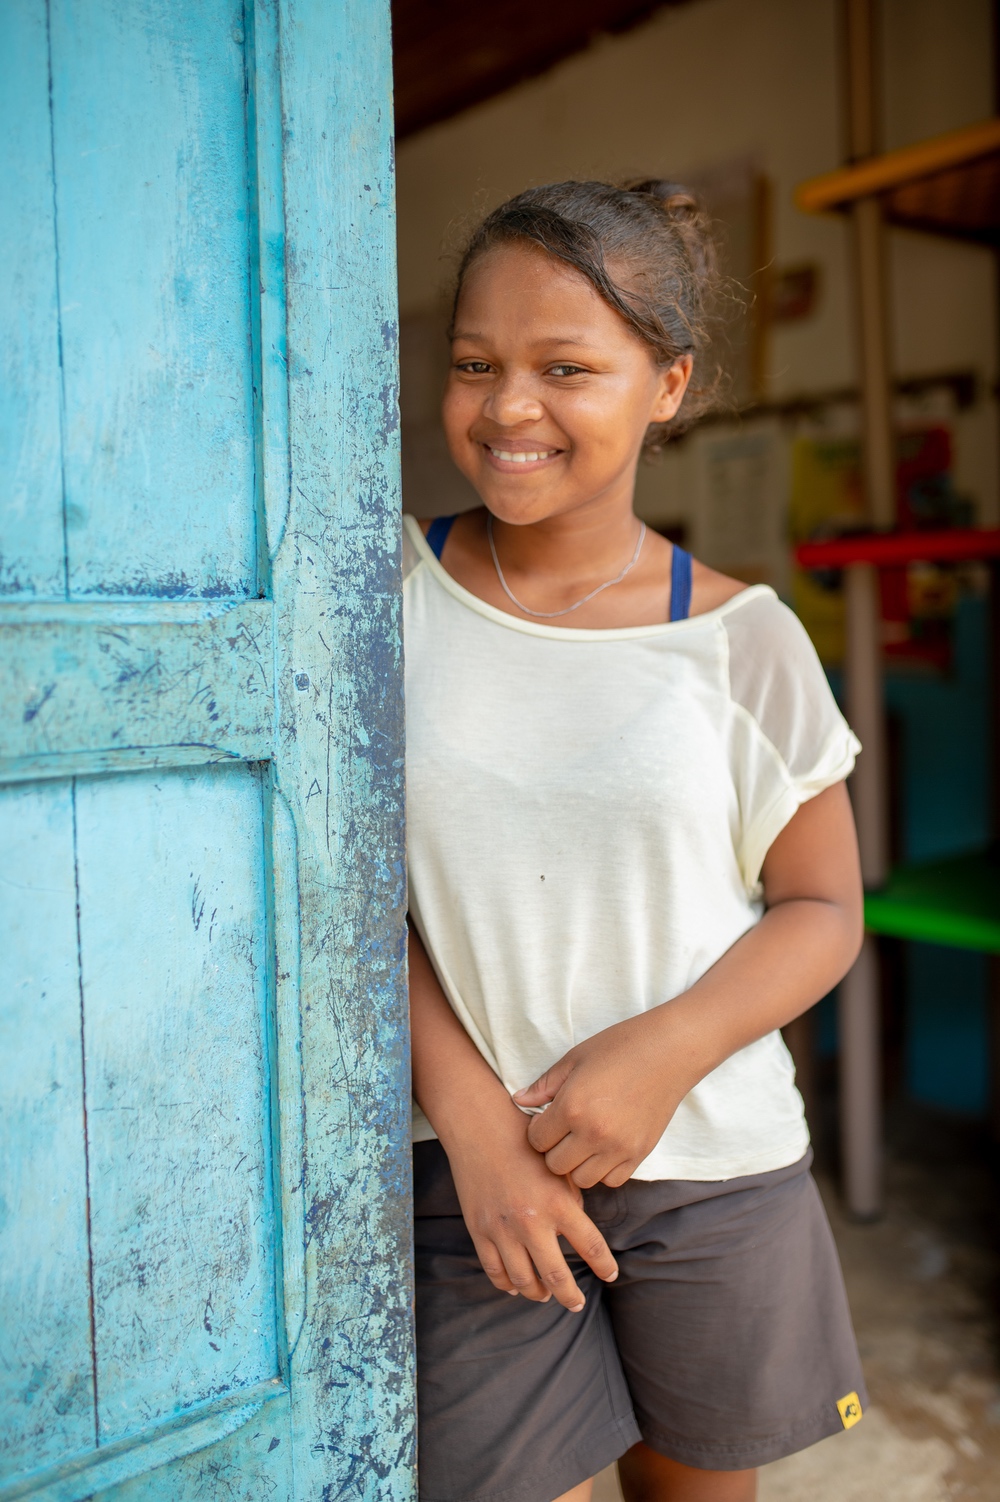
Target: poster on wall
(740,521)
(826,500)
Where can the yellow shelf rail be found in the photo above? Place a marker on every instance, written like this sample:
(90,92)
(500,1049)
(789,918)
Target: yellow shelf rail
(948,185)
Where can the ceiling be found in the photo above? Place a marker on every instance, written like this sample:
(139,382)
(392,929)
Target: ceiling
(449,54)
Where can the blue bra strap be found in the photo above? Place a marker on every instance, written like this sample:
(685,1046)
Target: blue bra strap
(437,534)
(680,585)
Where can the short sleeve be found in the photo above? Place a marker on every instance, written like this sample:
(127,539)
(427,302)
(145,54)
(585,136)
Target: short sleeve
(790,739)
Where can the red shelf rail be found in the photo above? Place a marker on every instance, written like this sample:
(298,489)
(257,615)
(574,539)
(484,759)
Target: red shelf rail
(891,549)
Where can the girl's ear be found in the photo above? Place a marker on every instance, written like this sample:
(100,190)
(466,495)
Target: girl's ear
(673,382)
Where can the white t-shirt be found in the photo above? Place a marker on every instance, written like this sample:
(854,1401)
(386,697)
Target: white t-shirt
(588,813)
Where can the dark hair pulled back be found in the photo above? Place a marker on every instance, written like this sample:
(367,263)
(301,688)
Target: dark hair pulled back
(646,248)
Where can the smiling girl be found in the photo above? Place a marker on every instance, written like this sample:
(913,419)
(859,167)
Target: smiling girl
(632,861)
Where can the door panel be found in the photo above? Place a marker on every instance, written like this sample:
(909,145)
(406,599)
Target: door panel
(151,171)
(31,545)
(204,1260)
(174,967)
(252,1464)
(140,684)
(46,1394)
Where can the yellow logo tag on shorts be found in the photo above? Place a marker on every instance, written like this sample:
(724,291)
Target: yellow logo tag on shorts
(849,1409)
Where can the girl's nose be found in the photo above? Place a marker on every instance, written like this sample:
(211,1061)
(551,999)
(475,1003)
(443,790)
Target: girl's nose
(513,399)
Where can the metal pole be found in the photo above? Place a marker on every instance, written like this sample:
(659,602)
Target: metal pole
(860,993)
(864,654)
(866,713)
(994,763)
(860,1052)
(879,461)
(861,1085)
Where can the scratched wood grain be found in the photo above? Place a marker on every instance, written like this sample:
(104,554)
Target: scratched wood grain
(173,960)
(149,133)
(46,1394)
(108,677)
(339,760)
(31,541)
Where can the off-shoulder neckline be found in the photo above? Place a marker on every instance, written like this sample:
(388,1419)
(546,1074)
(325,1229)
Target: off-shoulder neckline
(569,633)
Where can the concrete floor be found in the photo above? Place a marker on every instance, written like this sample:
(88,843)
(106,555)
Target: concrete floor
(922,1284)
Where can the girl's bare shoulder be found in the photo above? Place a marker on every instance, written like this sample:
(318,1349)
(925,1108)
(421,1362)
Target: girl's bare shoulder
(710,589)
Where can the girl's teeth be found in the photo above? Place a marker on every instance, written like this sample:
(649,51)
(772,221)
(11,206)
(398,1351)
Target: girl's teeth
(521,458)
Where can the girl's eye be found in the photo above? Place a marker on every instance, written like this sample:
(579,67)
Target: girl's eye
(474,367)
(566,370)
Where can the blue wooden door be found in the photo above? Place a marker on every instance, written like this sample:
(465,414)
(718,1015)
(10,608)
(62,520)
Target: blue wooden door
(203,1129)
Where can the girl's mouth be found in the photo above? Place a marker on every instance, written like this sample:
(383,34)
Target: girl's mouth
(502,456)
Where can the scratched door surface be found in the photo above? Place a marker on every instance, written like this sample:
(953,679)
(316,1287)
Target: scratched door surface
(204,1285)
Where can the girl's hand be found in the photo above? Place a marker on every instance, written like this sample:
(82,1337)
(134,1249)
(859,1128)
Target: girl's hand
(516,1210)
(614,1095)
(612,1099)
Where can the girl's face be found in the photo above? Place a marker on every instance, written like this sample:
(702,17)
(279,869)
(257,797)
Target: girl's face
(550,393)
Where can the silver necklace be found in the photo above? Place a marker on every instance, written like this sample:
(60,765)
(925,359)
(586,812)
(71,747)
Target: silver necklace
(548,615)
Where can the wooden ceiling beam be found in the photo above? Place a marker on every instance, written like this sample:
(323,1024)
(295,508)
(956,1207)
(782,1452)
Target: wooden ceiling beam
(450,54)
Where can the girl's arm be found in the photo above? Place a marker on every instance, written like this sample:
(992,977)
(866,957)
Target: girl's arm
(614,1095)
(514,1207)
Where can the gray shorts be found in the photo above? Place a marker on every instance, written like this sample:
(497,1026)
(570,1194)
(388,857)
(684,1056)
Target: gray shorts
(725,1342)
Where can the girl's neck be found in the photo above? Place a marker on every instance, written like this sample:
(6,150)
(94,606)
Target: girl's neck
(551,563)
(586,541)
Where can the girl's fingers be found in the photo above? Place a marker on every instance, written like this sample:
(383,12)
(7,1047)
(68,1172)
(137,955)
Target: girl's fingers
(521,1274)
(554,1272)
(584,1237)
(619,1175)
(561,1283)
(536,1266)
(493,1265)
(576,1192)
(541,1091)
(593,1170)
(567,1154)
(546,1130)
(513,1268)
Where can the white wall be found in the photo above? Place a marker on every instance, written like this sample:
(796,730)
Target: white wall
(721,79)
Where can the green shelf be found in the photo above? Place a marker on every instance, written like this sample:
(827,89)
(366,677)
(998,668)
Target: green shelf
(955,902)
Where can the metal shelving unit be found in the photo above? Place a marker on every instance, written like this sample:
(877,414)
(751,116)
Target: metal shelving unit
(950,186)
